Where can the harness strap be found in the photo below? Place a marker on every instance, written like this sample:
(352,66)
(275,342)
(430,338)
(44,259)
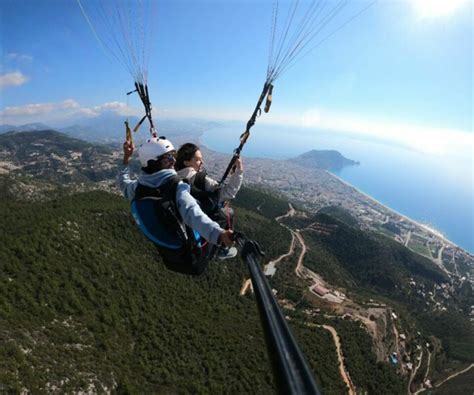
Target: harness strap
(243,139)
(208,200)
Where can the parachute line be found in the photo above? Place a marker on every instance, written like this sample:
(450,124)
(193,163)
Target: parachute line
(308,35)
(299,30)
(329,35)
(272,38)
(123,29)
(302,26)
(101,43)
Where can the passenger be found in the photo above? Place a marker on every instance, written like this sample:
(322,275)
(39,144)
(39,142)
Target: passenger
(157,157)
(212,197)
(190,166)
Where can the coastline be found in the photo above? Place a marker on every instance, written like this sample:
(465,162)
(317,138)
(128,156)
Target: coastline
(426,228)
(435,232)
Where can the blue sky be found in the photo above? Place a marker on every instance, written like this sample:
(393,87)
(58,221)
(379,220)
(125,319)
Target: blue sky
(402,69)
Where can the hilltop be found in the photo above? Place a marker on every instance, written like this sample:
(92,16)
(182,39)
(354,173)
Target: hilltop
(54,156)
(108,127)
(323,159)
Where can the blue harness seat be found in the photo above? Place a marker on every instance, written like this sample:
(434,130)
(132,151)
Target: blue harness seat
(144,213)
(156,214)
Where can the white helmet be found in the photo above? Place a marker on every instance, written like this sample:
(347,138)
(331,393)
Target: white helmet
(152,148)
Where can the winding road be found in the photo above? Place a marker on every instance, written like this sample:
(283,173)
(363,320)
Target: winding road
(247,284)
(342,368)
(454,375)
(290,252)
(299,265)
(296,235)
(437,385)
(413,373)
(290,213)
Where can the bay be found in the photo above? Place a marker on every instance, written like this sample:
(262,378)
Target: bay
(434,190)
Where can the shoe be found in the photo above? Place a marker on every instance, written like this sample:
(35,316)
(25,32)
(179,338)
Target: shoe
(226,253)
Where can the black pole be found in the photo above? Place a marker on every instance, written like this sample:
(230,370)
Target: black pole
(290,369)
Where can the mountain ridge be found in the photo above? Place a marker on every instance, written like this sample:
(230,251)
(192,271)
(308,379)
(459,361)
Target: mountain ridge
(324,159)
(108,127)
(53,155)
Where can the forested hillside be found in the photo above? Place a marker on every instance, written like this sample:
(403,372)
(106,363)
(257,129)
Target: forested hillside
(87,300)
(87,303)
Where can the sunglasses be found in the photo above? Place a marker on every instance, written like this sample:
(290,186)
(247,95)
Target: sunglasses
(171,156)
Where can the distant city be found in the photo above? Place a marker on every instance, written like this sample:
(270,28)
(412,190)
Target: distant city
(315,188)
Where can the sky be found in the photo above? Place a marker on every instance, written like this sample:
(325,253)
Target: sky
(401,71)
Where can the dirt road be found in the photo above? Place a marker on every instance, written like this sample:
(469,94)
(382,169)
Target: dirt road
(422,389)
(413,373)
(299,265)
(290,252)
(291,211)
(427,366)
(408,238)
(454,375)
(247,284)
(342,368)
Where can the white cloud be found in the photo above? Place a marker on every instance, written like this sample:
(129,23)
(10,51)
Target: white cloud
(14,78)
(119,108)
(87,112)
(421,138)
(19,57)
(64,110)
(115,105)
(426,139)
(69,103)
(39,108)
(28,109)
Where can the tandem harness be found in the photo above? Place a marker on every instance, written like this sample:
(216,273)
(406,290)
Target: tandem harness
(155,212)
(208,201)
(220,212)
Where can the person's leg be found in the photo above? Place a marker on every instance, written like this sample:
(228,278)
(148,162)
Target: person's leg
(225,218)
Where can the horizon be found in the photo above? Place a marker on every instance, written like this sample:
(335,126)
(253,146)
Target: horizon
(428,204)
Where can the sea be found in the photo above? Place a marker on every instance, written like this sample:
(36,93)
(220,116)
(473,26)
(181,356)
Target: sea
(432,189)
